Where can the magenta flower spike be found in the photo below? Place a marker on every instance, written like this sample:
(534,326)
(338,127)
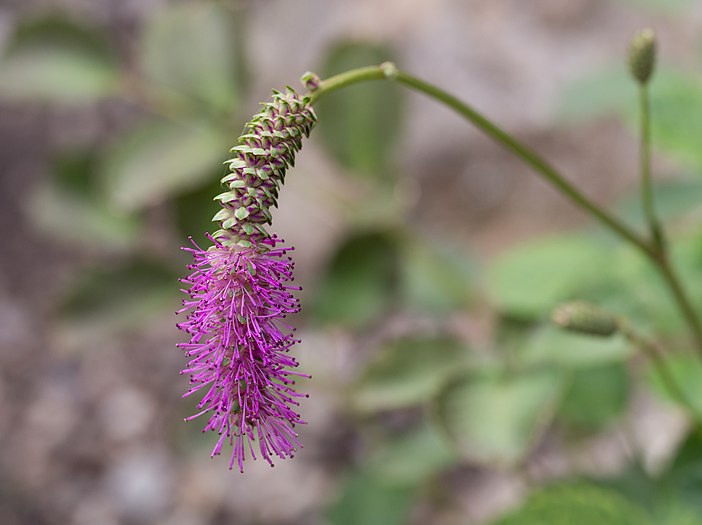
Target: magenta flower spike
(240,292)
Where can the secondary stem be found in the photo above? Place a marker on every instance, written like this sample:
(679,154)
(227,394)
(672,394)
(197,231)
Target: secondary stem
(653,250)
(645,166)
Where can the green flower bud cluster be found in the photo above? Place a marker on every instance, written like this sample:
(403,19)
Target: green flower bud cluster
(586,318)
(266,149)
(642,55)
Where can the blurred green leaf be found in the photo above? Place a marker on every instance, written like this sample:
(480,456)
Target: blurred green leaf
(412,456)
(595,396)
(599,93)
(496,418)
(57,60)
(190,50)
(682,480)
(361,280)
(666,6)
(531,279)
(160,160)
(407,372)
(361,126)
(676,108)
(125,297)
(69,208)
(553,346)
(577,505)
(368,500)
(673,199)
(687,373)
(436,277)
(194,210)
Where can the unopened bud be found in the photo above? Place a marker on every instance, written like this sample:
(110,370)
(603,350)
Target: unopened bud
(310,80)
(642,55)
(585,318)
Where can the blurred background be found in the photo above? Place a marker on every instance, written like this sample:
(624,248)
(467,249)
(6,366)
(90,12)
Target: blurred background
(430,260)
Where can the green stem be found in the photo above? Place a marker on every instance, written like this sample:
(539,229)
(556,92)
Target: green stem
(530,157)
(661,258)
(652,250)
(655,229)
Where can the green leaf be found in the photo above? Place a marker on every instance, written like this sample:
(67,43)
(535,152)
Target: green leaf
(530,280)
(111,301)
(190,50)
(361,125)
(686,371)
(69,208)
(56,60)
(160,160)
(360,282)
(366,499)
(595,397)
(553,346)
(577,505)
(673,199)
(412,456)
(682,480)
(436,278)
(194,210)
(496,419)
(676,109)
(408,372)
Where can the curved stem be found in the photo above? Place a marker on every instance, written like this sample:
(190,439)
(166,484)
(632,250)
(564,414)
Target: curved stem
(541,166)
(651,249)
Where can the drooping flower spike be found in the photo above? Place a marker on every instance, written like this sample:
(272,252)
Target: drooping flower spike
(240,292)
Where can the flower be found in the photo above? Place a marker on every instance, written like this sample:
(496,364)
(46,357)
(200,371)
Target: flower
(240,292)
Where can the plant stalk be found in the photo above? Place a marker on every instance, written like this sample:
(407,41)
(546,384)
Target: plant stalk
(653,249)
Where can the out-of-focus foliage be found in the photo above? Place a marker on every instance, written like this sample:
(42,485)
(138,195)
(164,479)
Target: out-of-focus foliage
(361,125)
(58,60)
(432,397)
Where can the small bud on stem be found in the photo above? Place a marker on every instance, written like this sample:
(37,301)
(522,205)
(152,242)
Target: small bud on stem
(585,318)
(642,55)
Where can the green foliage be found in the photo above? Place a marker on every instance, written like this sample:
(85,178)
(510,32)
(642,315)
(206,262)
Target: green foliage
(676,108)
(57,60)
(436,277)
(553,346)
(577,505)
(126,296)
(411,456)
(161,159)
(69,207)
(408,372)
(189,51)
(361,126)
(687,372)
(596,396)
(497,417)
(368,500)
(531,279)
(361,282)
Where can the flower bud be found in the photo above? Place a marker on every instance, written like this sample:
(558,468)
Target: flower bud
(642,55)
(585,318)
(311,80)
